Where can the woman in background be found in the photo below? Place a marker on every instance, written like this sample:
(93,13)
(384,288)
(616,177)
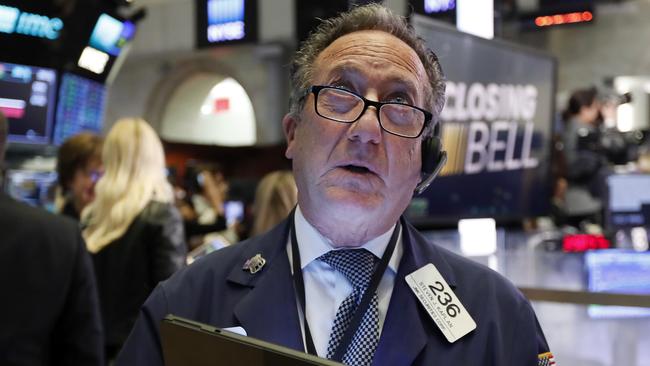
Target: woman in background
(276,195)
(132,228)
(78,166)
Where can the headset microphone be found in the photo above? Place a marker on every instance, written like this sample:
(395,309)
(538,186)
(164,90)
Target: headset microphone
(433,160)
(424,184)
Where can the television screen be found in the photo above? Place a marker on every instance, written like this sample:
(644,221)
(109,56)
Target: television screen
(496,129)
(111,34)
(27,98)
(33,187)
(108,42)
(80,107)
(618,271)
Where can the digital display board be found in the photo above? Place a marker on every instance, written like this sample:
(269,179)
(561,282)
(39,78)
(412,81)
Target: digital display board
(27,99)
(496,129)
(80,107)
(45,33)
(618,271)
(226,22)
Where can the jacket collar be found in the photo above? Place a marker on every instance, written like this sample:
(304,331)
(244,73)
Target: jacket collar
(268,311)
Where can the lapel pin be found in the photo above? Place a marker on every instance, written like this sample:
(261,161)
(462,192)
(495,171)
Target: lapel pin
(254,264)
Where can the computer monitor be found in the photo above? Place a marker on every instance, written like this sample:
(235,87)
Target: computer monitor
(80,107)
(33,187)
(618,271)
(27,98)
(628,201)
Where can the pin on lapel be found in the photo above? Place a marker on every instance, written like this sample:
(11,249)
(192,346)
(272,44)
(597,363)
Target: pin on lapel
(254,264)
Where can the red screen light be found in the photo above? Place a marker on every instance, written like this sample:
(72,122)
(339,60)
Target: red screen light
(568,18)
(584,242)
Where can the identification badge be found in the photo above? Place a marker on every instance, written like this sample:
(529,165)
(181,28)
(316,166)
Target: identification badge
(440,302)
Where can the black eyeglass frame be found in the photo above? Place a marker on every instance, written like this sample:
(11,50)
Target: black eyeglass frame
(316,89)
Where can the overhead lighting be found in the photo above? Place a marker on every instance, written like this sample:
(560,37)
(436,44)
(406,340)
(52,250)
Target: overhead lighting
(567,18)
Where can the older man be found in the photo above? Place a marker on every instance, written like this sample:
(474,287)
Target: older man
(361,133)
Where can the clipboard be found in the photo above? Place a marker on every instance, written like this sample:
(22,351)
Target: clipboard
(189,343)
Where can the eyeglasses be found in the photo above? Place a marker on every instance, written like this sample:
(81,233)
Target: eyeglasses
(344,106)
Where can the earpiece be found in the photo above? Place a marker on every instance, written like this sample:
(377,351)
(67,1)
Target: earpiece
(433,160)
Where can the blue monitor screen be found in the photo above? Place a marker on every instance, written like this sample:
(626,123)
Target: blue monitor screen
(110,34)
(81,107)
(618,271)
(27,99)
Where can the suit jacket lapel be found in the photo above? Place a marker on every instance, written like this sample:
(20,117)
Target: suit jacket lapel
(408,328)
(269,310)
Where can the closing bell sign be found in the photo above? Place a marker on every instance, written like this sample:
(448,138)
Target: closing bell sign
(496,127)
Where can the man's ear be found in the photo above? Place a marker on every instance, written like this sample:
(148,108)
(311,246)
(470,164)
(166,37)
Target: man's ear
(289,125)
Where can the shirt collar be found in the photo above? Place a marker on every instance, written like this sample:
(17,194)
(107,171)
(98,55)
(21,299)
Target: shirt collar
(319,245)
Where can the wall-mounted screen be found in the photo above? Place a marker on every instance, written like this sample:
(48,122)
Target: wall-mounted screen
(27,98)
(106,45)
(496,129)
(110,35)
(225,21)
(80,107)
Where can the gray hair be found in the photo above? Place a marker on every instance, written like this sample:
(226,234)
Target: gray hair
(367,17)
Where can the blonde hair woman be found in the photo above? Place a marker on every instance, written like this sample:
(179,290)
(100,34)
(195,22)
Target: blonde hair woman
(275,197)
(132,228)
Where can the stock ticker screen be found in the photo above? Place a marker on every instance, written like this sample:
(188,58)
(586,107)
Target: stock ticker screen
(27,99)
(80,108)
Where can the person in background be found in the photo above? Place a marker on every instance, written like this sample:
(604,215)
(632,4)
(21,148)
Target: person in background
(49,312)
(362,134)
(132,228)
(203,208)
(583,156)
(276,195)
(78,166)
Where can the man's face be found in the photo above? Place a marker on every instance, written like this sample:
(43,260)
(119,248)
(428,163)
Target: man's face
(357,175)
(82,185)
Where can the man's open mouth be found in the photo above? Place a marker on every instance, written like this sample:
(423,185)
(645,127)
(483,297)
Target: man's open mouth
(356,169)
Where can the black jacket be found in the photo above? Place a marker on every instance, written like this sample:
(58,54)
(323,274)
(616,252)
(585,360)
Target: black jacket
(128,269)
(49,312)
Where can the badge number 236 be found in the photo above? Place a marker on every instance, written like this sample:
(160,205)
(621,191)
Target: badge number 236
(444,298)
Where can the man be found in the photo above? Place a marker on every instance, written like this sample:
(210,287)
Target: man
(49,313)
(365,96)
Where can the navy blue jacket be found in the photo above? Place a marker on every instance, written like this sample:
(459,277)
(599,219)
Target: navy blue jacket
(215,290)
(49,310)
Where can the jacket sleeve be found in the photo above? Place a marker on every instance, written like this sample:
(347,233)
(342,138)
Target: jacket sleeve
(529,342)
(143,346)
(78,335)
(168,248)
